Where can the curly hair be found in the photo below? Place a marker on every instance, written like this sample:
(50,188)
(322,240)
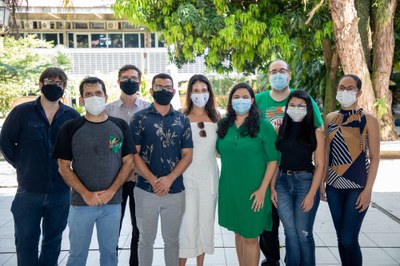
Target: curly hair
(252,121)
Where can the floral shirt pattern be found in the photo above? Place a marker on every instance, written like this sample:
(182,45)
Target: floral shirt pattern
(162,139)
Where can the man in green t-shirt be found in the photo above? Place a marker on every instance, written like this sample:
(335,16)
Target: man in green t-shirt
(272,105)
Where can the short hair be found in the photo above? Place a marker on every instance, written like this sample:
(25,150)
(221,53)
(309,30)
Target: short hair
(54,72)
(161,76)
(355,78)
(128,67)
(92,80)
(281,60)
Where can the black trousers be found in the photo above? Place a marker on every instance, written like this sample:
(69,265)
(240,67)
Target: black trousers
(127,194)
(269,240)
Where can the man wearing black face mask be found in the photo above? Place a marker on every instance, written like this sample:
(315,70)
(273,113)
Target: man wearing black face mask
(42,199)
(129,80)
(164,144)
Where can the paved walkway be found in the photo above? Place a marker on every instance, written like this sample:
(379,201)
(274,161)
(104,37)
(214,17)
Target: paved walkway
(379,237)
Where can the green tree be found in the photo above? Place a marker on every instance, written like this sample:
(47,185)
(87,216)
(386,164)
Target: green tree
(20,68)
(246,35)
(370,56)
(231,35)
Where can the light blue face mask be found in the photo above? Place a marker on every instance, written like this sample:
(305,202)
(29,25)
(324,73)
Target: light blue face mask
(279,81)
(241,106)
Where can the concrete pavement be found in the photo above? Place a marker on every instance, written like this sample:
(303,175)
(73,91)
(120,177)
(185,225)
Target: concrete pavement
(379,237)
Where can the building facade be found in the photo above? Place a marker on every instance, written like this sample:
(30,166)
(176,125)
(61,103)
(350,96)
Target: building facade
(96,41)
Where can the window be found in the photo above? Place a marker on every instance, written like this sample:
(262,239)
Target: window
(142,40)
(60,25)
(155,41)
(82,41)
(99,41)
(152,40)
(61,38)
(115,40)
(129,26)
(50,37)
(160,43)
(81,25)
(98,25)
(71,40)
(132,40)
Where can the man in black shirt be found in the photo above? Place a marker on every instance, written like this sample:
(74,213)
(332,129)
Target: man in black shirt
(42,200)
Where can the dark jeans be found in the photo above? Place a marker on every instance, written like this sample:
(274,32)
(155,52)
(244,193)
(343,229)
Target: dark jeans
(269,240)
(31,211)
(127,192)
(347,221)
(298,225)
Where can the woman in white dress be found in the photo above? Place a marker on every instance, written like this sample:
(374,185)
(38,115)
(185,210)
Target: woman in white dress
(201,178)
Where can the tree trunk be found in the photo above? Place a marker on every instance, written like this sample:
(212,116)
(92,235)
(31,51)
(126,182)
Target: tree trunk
(383,51)
(350,50)
(331,59)
(363,8)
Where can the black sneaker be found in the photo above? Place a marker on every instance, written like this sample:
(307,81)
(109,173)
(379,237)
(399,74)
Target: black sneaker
(268,262)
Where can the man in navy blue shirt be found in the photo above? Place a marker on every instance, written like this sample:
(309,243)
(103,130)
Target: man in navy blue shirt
(164,143)
(42,198)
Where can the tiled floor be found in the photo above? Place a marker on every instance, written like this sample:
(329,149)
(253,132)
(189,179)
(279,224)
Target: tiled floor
(380,240)
(379,237)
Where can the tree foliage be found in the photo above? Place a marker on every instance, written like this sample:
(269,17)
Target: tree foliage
(21,66)
(396,57)
(231,35)
(240,35)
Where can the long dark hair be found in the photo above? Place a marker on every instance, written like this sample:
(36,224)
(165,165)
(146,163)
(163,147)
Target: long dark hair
(252,121)
(307,133)
(211,111)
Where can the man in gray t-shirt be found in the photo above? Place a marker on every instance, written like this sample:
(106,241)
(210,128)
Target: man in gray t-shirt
(95,157)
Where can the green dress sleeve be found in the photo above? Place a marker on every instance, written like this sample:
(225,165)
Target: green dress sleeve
(268,136)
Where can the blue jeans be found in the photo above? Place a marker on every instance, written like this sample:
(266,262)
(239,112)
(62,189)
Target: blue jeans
(31,211)
(347,221)
(298,225)
(81,222)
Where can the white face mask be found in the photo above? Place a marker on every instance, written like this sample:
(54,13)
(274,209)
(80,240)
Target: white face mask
(297,114)
(95,105)
(346,98)
(200,99)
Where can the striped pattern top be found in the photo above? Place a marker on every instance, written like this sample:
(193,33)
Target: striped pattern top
(348,157)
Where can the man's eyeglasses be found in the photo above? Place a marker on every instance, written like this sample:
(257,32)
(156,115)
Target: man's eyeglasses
(202,132)
(160,88)
(59,83)
(132,79)
(280,71)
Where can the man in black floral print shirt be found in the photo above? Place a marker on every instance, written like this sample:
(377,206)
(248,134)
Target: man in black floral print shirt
(164,143)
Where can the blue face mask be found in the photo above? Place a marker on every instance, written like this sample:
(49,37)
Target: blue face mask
(279,81)
(241,106)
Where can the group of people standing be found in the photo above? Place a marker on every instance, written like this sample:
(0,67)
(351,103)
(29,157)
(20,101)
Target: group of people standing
(278,160)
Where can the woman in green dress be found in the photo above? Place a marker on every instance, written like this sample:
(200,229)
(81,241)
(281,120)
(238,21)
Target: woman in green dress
(246,144)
